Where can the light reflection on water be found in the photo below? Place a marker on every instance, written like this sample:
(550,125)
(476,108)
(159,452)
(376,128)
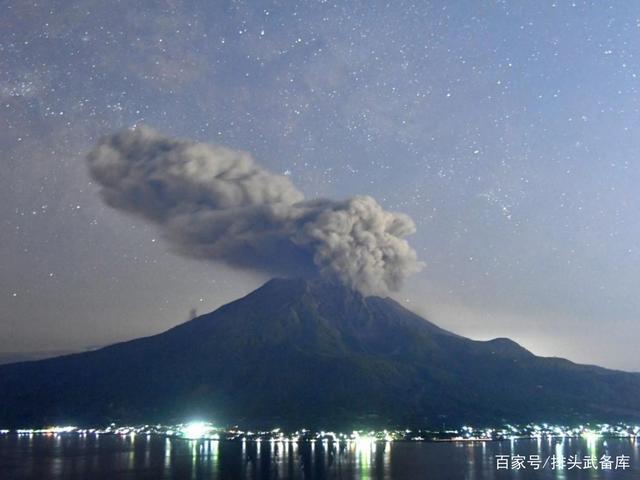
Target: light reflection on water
(71,456)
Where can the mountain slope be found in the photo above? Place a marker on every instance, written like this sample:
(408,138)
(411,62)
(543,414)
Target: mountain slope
(297,352)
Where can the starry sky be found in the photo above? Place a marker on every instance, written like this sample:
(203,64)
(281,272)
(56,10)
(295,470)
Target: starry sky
(508,131)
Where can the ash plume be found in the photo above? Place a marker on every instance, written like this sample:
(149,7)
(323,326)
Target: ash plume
(216,203)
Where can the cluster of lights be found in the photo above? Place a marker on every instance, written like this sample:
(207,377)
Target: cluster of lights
(54,430)
(200,430)
(544,430)
(196,430)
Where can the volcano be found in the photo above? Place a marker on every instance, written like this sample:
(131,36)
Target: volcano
(310,353)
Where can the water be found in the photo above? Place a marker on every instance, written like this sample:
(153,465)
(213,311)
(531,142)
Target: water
(72,456)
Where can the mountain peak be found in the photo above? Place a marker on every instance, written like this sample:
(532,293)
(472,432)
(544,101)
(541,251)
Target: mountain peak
(316,286)
(306,352)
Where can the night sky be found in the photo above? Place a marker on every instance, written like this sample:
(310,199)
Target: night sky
(508,131)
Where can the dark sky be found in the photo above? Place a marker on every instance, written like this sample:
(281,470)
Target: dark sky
(508,131)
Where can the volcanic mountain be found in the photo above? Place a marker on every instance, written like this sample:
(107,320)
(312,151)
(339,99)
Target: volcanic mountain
(309,353)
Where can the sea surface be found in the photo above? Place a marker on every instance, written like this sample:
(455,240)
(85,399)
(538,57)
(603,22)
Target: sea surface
(74,456)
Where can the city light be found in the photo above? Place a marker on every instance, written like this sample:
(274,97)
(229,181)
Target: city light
(196,430)
(590,435)
(360,438)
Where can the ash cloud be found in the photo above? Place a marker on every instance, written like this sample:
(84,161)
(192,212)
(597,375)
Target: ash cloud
(216,203)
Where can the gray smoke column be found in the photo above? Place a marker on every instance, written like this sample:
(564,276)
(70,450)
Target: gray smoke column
(216,203)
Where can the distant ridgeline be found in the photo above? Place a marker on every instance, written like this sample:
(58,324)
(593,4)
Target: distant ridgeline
(310,353)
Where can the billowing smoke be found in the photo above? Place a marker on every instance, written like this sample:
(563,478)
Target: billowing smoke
(216,203)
